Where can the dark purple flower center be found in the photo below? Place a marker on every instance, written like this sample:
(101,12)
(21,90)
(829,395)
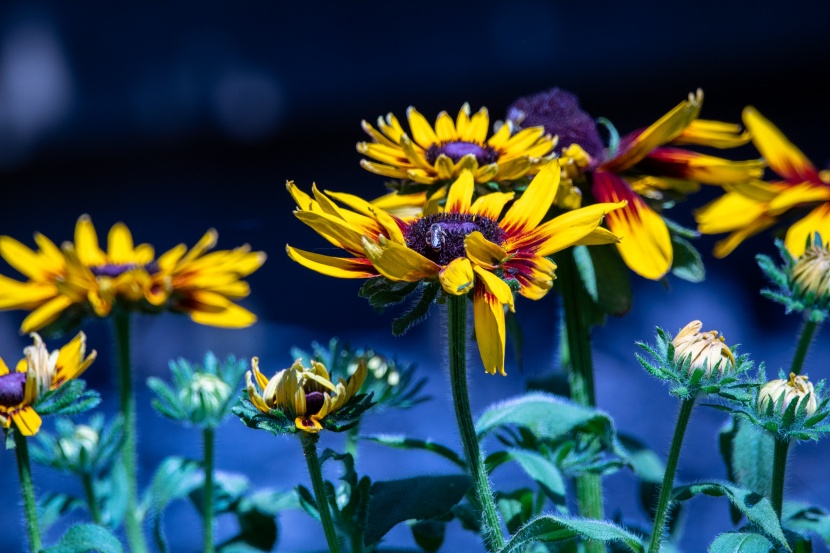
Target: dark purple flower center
(314,402)
(560,113)
(12,389)
(116,269)
(440,237)
(485,155)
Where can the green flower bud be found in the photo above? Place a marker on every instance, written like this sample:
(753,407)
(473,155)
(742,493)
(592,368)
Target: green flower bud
(795,389)
(204,396)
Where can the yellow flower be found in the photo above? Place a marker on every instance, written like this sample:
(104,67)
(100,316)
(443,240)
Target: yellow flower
(704,350)
(442,153)
(464,245)
(795,389)
(82,279)
(748,210)
(39,372)
(306,394)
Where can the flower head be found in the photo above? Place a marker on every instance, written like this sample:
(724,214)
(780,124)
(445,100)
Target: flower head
(746,211)
(644,168)
(443,152)
(39,372)
(463,247)
(706,351)
(306,395)
(81,279)
(777,395)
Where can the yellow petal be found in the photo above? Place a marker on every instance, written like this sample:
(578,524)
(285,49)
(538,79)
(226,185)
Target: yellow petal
(397,262)
(27,421)
(338,267)
(422,132)
(483,252)
(445,128)
(501,136)
(491,205)
(817,221)
(462,124)
(781,154)
(335,230)
(457,278)
(384,170)
(495,286)
(25,260)
(86,243)
(45,314)
(728,213)
(233,316)
(4,369)
(120,245)
(798,194)
(460,195)
(598,237)
(727,245)
(529,210)
(488,315)
(479,123)
(534,273)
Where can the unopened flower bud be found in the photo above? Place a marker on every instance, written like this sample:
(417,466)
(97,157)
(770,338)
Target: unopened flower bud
(705,350)
(794,389)
(205,396)
(811,274)
(84,438)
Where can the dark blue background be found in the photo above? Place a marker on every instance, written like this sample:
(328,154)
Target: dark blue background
(192,116)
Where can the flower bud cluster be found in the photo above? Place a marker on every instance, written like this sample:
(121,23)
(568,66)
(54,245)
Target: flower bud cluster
(82,449)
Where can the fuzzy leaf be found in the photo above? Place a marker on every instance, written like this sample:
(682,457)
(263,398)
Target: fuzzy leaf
(551,528)
(687,263)
(175,478)
(734,542)
(614,293)
(84,538)
(51,507)
(755,507)
(545,473)
(419,498)
(400,441)
(429,534)
(805,518)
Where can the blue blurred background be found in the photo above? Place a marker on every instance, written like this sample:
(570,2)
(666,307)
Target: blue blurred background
(180,118)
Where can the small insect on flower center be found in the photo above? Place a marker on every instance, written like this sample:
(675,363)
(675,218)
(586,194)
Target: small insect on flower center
(12,389)
(113,270)
(440,237)
(485,155)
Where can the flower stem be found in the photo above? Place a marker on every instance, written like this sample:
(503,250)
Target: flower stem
(27,488)
(808,331)
(132,518)
(457,332)
(309,442)
(351,440)
(779,469)
(668,476)
(581,378)
(208,441)
(91,500)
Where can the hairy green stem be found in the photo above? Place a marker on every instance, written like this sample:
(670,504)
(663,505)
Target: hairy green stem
(207,506)
(457,341)
(27,488)
(808,331)
(581,378)
(779,470)
(309,442)
(351,441)
(132,518)
(91,500)
(668,476)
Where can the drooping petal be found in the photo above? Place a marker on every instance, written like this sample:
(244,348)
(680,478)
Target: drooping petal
(339,267)
(213,309)
(730,212)
(495,286)
(724,247)
(45,314)
(397,262)
(457,277)
(488,315)
(483,252)
(782,155)
(529,210)
(598,237)
(686,164)
(335,230)
(817,221)
(645,243)
(792,196)
(534,273)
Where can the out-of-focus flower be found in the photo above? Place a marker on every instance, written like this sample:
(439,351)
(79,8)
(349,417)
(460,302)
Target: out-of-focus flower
(785,391)
(38,373)
(443,152)
(306,395)
(811,274)
(81,279)
(644,168)
(200,394)
(746,211)
(706,351)
(464,245)
(80,448)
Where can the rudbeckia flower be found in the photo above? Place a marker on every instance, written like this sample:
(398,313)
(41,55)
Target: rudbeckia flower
(645,165)
(443,152)
(464,245)
(305,394)
(747,211)
(65,284)
(39,372)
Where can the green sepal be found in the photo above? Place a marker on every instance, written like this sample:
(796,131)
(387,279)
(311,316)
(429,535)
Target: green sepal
(754,506)
(86,538)
(349,416)
(382,292)
(419,498)
(553,528)
(425,296)
(72,398)
(737,542)
(276,422)
(687,263)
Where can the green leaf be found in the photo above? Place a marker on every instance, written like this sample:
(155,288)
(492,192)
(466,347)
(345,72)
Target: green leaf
(175,478)
(84,538)
(614,294)
(551,528)
(546,416)
(687,263)
(419,498)
(735,542)
(429,534)
(516,508)
(754,506)
(752,452)
(585,267)
(399,441)
(545,473)
(804,518)
(51,507)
